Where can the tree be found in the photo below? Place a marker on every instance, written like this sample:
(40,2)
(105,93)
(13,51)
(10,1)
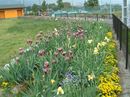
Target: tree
(91,3)
(35,9)
(60,4)
(66,4)
(44,6)
(52,6)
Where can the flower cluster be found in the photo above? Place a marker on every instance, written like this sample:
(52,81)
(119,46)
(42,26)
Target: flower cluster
(60,64)
(109,81)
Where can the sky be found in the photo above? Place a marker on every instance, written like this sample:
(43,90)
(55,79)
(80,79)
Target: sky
(73,2)
(80,2)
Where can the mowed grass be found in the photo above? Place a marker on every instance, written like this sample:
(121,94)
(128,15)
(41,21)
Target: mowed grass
(15,32)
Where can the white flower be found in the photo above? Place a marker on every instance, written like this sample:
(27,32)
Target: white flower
(13,61)
(96,51)
(57,34)
(91,77)
(103,43)
(6,67)
(36,45)
(107,39)
(55,30)
(90,41)
(28,49)
(56,19)
(98,45)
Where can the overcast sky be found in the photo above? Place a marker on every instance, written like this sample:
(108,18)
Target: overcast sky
(73,2)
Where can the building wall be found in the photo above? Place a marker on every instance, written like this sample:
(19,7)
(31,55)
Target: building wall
(2,14)
(11,13)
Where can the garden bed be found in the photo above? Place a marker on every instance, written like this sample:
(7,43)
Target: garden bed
(75,60)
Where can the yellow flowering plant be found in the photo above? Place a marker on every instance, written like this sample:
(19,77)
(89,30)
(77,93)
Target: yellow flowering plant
(109,81)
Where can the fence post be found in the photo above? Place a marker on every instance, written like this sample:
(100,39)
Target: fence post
(127,48)
(75,15)
(97,16)
(120,27)
(117,29)
(55,16)
(85,17)
(67,15)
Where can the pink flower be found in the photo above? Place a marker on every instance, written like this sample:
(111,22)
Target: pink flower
(39,35)
(68,33)
(46,67)
(67,58)
(53,62)
(29,42)
(46,70)
(64,53)
(21,51)
(17,60)
(41,53)
(70,52)
(46,64)
(37,42)
(56,54)
(60,49)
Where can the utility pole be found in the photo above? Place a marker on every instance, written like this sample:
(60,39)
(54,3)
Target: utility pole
(24,8)
(125,11)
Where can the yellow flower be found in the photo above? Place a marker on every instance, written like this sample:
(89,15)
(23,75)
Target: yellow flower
(90,41)
(52,81)
(109,34)
(4,84)
(91,77)
(96,51)
(60,91)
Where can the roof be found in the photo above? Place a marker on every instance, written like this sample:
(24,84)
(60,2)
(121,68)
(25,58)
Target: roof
(11,6)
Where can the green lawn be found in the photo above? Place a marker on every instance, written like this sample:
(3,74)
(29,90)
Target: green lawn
(15,32)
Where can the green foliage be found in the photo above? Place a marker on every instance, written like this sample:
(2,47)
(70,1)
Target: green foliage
(67,5)
(52,6)
(44,6)
(15,32)
(71,74)
(91,3)
(60,4)
(35,8)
